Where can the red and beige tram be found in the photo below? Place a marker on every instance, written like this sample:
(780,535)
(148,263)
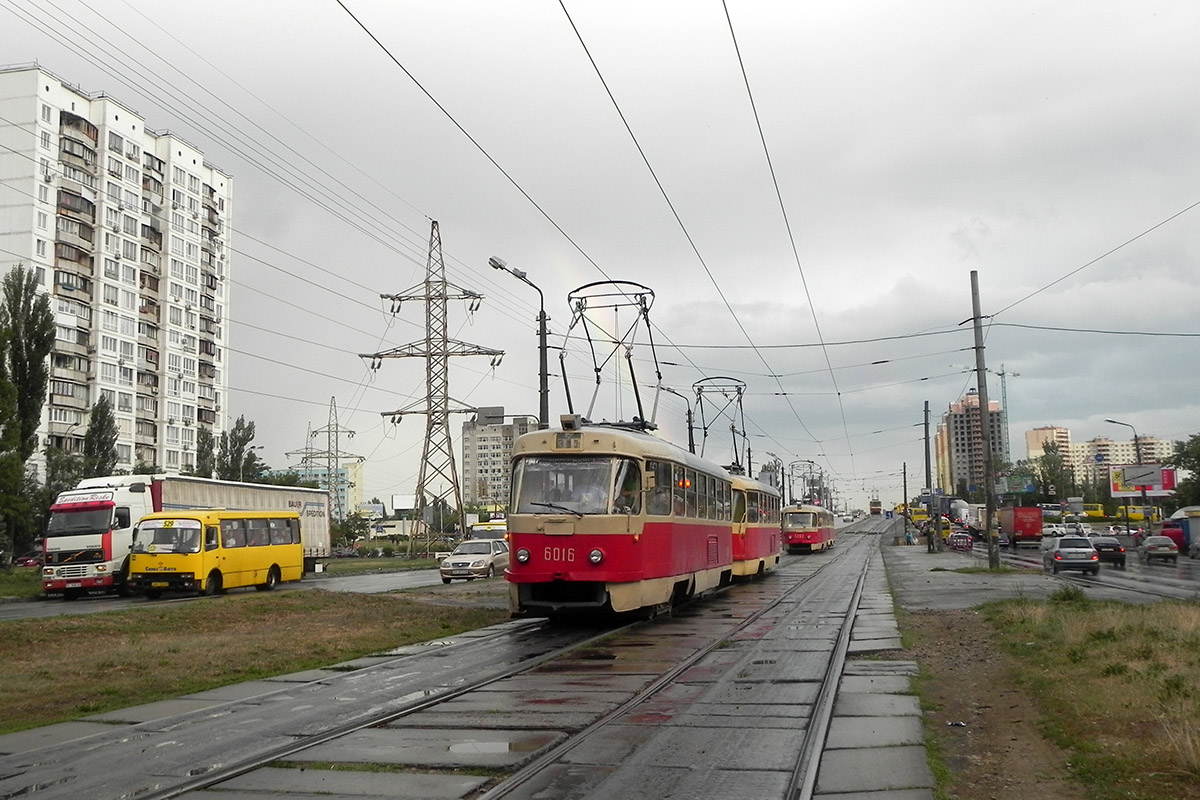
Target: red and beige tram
(807,529)
(609,518)
(756,534)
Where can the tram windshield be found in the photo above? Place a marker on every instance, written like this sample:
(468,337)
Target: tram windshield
(577,485)
(799,519)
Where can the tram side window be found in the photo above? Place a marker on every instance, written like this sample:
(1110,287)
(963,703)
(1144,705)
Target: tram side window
(659,501)
(752,506)
(723,501)
(690,492)
(702,496)
(739,506)
(677,497)
(233,533)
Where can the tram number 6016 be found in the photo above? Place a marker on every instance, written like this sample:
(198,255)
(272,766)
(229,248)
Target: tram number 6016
(560,554)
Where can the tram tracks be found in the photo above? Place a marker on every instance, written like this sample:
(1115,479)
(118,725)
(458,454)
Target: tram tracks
(804,773)
(734,627)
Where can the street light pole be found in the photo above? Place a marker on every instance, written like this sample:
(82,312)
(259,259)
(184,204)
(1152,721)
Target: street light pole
(245,458)
(1137,450)
(543,370)
(691,435)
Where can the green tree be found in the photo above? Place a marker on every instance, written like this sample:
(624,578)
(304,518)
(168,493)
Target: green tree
(29,322)
(1053,474)
(234,460)
(289,478)
(26,340)
(100,441)
(1187,457)
(205,457)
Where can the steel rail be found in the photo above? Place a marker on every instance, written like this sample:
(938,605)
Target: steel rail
(215,776)
(534,768)
(804,776)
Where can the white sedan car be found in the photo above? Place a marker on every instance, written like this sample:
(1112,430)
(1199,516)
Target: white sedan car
(475,558)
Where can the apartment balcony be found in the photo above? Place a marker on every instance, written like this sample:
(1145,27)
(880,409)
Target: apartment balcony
(73,205)
(149,311)
(78,161)
(73,286)
(153,237)
(83,240)
(73,123)
(69,373)
(78,401)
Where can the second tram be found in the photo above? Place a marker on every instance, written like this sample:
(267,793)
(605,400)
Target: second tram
(756,534)
(807,529)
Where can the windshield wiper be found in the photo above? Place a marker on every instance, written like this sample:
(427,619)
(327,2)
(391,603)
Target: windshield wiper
(557,507)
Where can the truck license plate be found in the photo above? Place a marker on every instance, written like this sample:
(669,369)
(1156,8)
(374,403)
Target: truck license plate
(74,585)
(159,585)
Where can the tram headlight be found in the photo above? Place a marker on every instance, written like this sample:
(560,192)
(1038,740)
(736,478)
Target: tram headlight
(595,556)
(522,555)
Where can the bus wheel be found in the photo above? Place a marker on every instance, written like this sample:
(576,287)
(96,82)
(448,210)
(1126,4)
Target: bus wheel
(212,585)
(272,580)
(123,589)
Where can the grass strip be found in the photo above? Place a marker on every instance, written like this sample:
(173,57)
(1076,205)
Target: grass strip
(63,668)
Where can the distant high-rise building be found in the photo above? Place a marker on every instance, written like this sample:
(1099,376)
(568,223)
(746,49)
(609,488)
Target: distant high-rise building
(959,443)
(487,443)
(127,230)
(1091,459)
(1037,439)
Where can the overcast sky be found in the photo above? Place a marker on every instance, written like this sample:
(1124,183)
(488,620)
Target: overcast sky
(1054,148)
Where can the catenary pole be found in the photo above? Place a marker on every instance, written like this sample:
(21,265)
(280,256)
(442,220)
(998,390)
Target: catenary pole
(985,439)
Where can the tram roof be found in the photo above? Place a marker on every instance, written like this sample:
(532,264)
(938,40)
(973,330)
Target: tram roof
(617,440)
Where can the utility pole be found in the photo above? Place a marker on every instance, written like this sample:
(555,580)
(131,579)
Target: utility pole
(985,439)
(935,538)
(437,456)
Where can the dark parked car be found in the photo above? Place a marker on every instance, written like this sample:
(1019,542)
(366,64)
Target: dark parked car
(1110,549)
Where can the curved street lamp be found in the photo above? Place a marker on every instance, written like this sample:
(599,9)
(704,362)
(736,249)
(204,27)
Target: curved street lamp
(246,456)
(543,372)
(1137,450)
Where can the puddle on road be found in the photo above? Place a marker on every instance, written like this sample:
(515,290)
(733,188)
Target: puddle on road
(521,744)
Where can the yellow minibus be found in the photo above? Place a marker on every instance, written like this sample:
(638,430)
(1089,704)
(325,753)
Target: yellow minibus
(211,550)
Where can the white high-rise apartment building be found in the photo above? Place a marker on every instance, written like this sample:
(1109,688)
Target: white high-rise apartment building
(487,445)
(128,231)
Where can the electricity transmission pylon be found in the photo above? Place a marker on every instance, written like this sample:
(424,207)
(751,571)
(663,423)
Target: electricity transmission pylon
(438,478)
(332,456)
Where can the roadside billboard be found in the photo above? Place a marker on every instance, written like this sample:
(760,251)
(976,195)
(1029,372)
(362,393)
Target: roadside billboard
(1128,480)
